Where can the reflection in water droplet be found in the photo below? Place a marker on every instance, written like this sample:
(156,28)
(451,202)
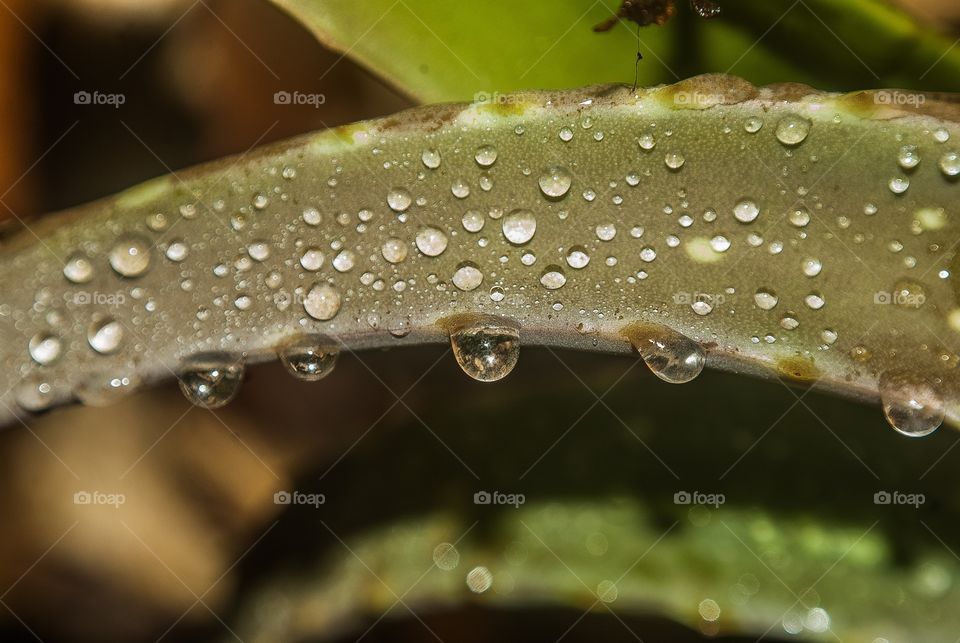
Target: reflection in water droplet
(210,380)
(672,356)
(309,357)
(130,256)
(105,335)
(486,349)
(792,130)
(911,405)
(555,182)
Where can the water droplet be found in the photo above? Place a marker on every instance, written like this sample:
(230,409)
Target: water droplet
(446,556)
(950,164)
(672,356)
(577,257)
(799,217)
(792,130)
(674,160)
(78,269)
(553,278)
(312,216)
(479,579)
(394,250)
(911,405)
(309,357)
(606,231)
(555,182)
(105,335)
(899,184)
(210,380)
(259,250)
(473,221)
(45,348)
(431,159)
(908,157)
(431,241)
(566,134)
(322,302)
(486,156)
(789,321)
(753,124)
(34,393)
(519,226)
(177,251)
(814,301)
(399,200)
(487,349)
(647,141)
(812,267)
(344,261)
(467,276)
(746,211)
(312,259)
(130,256)
(702,307)
(460,189)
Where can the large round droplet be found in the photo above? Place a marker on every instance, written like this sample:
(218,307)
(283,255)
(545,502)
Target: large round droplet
(105,335)
(210,380)
(746,211)
(672,356)
(792,130)
(950,164)
(486,156)
(130,256)
(519,227)
(309,357)
(45,348)
(467,276)
(555,182)
(486,350)
(911,405)
(394,250)
(322,302)
(399,199)
(78,268)
(431,241)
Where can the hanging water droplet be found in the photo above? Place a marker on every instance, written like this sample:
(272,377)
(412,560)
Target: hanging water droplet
(45,348)
(519,227)
(911,405)
(431,241)
(486,156)
(130,256)
(792,130)
(309,357)
(487,348)
(105,335)
(78,269)
(555,182)
(322,302)
(672,356)
(399,199)
(211,380)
